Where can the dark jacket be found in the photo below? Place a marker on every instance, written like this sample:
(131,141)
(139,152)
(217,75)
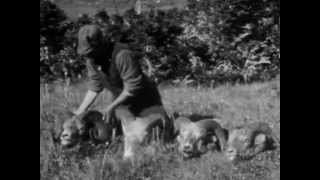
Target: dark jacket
(123,71)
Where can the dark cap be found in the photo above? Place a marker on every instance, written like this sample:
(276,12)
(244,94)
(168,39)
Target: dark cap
(89,37)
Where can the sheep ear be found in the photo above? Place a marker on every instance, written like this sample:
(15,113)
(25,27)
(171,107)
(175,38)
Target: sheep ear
(201,147)
(174,115)
(226,132)
(214,139)
(178,137)
(56,134)
(260,139)
(71,113)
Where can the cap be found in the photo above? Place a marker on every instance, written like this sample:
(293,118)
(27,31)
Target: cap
(89,37)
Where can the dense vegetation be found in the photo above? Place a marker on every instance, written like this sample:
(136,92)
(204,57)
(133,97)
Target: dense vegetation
(208,42)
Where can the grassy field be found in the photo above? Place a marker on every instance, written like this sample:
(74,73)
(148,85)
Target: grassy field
(75,7)
(235,105)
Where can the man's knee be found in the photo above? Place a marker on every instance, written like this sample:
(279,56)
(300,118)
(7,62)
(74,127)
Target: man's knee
(166,122)
(128,148)
(123,114)
(157,110)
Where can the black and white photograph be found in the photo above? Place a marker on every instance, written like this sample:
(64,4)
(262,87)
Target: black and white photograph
(159,89)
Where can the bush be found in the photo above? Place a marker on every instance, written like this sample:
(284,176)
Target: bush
(60,66)
(208,42)
(242,35)
(52,27)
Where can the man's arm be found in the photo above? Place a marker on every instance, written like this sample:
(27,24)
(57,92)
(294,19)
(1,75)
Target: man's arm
(120,99)
(95,87)
(88,100)
(131,74)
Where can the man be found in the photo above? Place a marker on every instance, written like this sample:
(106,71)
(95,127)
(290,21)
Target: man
(114,66)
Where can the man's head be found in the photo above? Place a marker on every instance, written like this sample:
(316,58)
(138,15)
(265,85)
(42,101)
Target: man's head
(92,42)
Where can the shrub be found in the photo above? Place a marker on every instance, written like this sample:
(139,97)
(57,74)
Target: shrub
(52,27)
(208,42)
(63,65)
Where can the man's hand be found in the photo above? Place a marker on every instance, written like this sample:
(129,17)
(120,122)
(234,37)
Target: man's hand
(108,113)
(86,103)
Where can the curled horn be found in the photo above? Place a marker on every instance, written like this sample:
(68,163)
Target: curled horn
(212,126)
(94,123)
(262,128)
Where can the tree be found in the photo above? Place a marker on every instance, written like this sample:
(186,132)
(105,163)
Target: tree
(52,27)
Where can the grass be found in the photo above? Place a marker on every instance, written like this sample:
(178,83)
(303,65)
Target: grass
(75,7)
(235,105)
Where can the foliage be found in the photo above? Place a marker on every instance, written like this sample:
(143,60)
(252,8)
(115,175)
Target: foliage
(209,42)
(52,27)
(63,65)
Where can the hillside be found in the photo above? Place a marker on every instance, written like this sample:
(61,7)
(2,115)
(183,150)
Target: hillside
(234,105)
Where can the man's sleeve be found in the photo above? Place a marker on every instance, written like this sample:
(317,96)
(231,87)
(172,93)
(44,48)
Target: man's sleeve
(130,72)
(95,80)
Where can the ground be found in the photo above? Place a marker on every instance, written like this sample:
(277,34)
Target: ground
(234,105)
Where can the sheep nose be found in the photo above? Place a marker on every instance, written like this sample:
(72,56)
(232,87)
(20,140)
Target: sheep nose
(64,135)
(230,150)
(187,147)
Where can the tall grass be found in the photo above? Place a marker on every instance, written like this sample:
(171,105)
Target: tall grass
(234,105)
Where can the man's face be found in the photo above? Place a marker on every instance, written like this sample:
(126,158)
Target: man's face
(100,54)
(96,54)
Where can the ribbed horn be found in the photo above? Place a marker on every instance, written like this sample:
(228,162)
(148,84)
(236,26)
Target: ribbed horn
(257,128)
(94,121)
(210,125)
